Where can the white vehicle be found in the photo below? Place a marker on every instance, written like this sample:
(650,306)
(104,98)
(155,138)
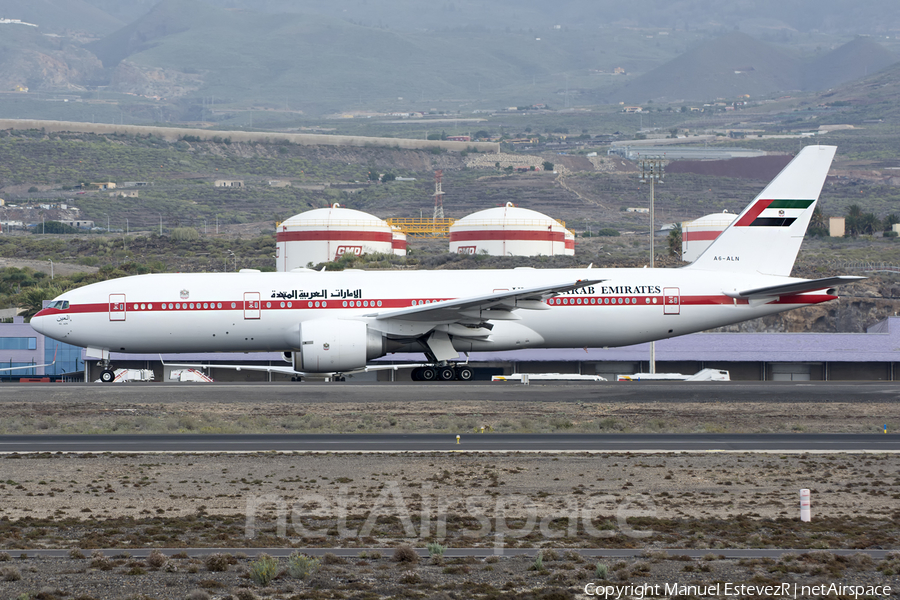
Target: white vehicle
(126,375)
(526,377)
(189,375)
(703,375)
(335,322)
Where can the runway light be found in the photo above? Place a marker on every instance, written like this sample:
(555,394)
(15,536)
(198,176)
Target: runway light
(457,438)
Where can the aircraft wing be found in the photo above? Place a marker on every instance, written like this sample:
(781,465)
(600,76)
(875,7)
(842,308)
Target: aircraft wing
(459,309)
(289,370)
(795,288)
(50,364)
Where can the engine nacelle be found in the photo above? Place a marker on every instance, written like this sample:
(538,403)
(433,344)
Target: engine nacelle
(333,345)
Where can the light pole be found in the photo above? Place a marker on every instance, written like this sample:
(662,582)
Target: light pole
(652,173)
(51,267)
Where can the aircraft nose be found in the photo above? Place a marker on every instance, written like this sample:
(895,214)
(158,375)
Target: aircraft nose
(38,322)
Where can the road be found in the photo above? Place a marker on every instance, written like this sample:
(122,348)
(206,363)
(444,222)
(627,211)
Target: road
(635,392)
(469,442)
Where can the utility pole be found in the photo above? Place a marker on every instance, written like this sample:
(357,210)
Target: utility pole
(652,173)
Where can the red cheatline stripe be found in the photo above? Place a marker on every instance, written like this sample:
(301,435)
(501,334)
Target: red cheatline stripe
(333,236)
(699,236)
(754,212)
(398,244)
(335,303)
(570,244)
(508,235)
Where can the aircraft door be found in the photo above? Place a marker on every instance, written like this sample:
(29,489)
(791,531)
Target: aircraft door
(251,305)
(671,301)
(117,307)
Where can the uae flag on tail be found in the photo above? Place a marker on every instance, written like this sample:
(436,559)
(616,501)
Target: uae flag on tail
(773,213)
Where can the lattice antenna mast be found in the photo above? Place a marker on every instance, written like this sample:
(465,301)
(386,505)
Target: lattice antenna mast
(438,195)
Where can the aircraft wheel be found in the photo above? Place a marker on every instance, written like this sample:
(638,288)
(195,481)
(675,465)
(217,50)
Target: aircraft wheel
(464,374)
(428,374)
(107,376)
(447,373)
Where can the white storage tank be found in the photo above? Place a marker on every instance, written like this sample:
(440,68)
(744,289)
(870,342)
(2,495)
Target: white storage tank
(511,231)
(326,234)
(398,242)
(697,235)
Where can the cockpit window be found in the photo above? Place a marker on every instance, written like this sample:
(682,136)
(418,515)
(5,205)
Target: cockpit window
(59,304)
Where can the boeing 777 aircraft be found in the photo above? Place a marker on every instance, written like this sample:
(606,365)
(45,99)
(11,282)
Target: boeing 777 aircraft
(335,322)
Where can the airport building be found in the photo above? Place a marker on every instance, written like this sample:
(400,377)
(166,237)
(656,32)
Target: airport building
(870,356)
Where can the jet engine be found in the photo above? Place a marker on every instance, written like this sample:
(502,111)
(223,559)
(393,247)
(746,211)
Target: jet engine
(333,345)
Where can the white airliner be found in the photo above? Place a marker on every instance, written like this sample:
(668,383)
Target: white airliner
(335,322)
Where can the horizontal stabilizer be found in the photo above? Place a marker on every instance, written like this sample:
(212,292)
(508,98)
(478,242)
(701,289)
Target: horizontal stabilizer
(799,287)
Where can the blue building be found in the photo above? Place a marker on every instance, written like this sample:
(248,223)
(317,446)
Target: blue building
(21,346)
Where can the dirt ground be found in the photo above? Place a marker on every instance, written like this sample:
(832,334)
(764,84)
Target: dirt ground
(514,504)
(108,413)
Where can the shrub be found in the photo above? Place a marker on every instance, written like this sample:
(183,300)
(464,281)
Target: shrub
(216,562)
(406,554)
(301,566)
(263,569)
(76,554)
(5,557)
(156,559)
(330,558)
(10,574)
(436,550)
(198,595)
(185,234)
(601,571)
(410,577)
(99,561)
(538,564)
(245,594)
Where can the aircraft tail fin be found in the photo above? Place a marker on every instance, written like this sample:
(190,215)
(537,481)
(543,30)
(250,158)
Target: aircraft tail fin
(766,236)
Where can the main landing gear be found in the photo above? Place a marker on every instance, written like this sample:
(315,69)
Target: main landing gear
(442,373)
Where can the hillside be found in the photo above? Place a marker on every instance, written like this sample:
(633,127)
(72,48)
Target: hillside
(316,63)
(855,59)
(869,101)
(727,67)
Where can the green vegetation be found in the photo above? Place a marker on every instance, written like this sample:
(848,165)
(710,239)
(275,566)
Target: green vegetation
(264,569)
(301,566)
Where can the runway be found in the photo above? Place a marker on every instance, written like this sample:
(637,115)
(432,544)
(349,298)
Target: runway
(468,442)
(607,392)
